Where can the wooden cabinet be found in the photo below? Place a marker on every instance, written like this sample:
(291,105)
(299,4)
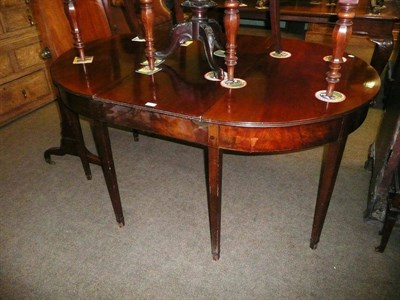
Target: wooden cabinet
(24,80)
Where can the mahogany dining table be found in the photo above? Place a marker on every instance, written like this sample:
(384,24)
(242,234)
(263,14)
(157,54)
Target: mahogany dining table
(276,112)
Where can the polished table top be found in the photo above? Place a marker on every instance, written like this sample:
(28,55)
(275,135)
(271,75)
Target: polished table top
(276,112)
(279,92)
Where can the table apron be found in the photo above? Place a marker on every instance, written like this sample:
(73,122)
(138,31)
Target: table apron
(262,139)
(177,127)
(290,138)
(278,139)
(154,122)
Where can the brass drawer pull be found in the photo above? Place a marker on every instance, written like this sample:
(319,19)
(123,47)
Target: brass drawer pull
(45,53)
(24,93)
(30,19)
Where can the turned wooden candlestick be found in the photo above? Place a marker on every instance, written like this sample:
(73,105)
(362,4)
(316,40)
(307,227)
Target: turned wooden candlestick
(147,17)
(70,12)
(274,10)
(231,23)
(340,37)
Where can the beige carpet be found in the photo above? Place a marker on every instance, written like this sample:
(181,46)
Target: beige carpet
(59,239)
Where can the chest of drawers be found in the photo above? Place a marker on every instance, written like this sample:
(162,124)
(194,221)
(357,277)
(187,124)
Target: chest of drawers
(24,80)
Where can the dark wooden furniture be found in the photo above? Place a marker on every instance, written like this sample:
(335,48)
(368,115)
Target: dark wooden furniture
(96,18)
(199,27)
(162,15)
(384,159)
(25,83)
(377,27)
(392,213)
(276,112)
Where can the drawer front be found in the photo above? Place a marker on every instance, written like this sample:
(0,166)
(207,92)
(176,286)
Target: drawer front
(28,56)
(10,3)
(17,18)
(6,68)
(23,91)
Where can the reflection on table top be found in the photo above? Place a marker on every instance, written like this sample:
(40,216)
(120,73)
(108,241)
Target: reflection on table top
(279,92)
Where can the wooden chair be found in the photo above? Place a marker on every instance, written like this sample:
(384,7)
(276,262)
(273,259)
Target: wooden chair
(392,213)
(163,18)
(384,158)
(97,19)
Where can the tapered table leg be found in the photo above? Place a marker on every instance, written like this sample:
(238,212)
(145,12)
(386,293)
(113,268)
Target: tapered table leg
(214,166)
(102,140)
(332,156)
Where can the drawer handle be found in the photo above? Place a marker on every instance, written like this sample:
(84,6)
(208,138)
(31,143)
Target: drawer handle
(24,93)
(30,19)
(45,53)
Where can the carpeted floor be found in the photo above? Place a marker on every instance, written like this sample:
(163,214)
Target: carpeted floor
(59,239)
